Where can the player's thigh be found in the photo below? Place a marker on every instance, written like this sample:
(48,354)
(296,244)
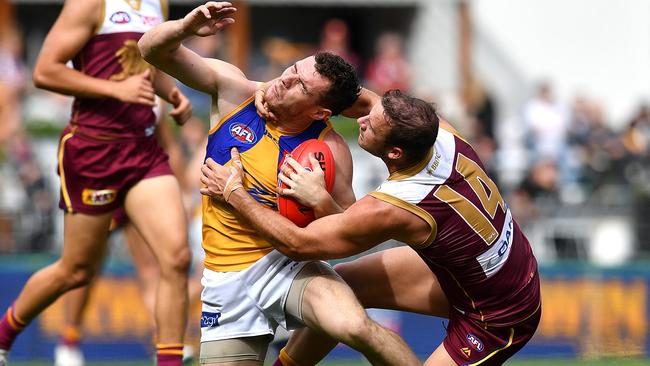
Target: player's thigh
(440,357)
(154,206)
(84,240)
(395,278)
(143,259)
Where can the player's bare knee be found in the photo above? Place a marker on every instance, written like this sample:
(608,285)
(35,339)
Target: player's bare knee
(356,330)
(79,276)
(176,262)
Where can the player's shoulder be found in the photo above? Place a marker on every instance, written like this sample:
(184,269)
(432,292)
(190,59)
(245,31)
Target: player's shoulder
(88,9)
(80,13)
(337,144)
(232,87)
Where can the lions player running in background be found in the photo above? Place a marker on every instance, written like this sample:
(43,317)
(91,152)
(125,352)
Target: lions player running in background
(186,158)
(109,158)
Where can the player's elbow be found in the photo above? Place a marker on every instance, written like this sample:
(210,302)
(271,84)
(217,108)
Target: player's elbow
(146,50)
(41,77)
(294,252)
(296,249)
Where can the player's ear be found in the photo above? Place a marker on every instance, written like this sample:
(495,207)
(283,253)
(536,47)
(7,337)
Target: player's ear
(321,114)
(395,153)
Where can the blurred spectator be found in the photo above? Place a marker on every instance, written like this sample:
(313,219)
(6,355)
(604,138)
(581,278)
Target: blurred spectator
(636,137)
(539,195)
(389,68)
(547,123)
(335,38)
(597,146)
(481,108)
(542,182)
(480,114)
(636,142)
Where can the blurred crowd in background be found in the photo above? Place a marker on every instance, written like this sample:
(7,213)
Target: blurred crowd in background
(574,161)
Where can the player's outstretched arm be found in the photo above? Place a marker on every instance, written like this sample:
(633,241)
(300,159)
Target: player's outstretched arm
(161,46)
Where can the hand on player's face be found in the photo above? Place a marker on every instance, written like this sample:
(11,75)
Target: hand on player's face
(305,186)
(220,181)
(262,107)
(136,89)
(182,107)
(208,19)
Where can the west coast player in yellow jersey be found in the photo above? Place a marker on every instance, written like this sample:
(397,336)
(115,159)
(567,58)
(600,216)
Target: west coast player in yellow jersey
(250,288)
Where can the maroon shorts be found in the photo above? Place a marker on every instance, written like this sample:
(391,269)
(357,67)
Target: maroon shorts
(468,343)
(96,174)
(119,219)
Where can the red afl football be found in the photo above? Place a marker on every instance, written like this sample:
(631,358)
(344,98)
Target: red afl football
(290,208)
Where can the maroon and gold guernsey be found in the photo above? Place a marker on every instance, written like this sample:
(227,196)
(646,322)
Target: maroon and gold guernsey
(479,254)
(112,53)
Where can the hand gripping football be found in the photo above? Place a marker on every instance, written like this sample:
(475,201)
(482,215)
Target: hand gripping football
(287,206)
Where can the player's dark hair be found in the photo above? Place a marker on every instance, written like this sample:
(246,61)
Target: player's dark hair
(414,124)
(345,88)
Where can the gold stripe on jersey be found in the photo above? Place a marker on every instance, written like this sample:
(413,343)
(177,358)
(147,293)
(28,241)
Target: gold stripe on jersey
(134,4)
(64,187)
(413,170)
(325,131)
(230,114)
(476,177)
(512,335)
(420,212)
(468,212)
(164,6)
(449,128)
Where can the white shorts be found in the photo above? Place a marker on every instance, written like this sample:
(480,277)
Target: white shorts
(249,302)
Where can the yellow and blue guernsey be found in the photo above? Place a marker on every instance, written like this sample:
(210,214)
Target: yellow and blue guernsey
(229,242)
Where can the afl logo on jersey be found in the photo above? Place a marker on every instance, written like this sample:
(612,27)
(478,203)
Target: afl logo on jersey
(243,133)
(475,342)
(120,17)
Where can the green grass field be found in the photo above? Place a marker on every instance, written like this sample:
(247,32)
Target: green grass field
(538,362)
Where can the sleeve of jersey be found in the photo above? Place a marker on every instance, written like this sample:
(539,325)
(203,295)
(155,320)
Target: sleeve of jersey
(388,193)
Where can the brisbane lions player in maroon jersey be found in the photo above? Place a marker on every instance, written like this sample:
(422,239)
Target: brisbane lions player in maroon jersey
(109,158)
(468,259)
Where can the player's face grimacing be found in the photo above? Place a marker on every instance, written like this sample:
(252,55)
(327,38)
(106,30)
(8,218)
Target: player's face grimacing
(297,91)
(373,131)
